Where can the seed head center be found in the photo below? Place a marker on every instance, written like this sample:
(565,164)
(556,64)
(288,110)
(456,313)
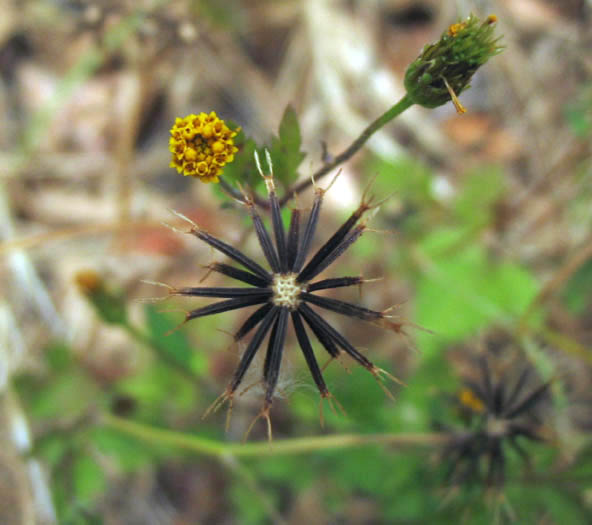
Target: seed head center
(497,427)
(286,290)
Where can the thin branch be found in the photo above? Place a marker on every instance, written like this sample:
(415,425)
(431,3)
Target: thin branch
(84,230)
(560,277)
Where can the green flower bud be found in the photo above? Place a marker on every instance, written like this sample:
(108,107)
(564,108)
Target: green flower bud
(444,69)
(109,305)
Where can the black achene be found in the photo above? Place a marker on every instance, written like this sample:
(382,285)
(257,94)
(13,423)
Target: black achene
(285,292)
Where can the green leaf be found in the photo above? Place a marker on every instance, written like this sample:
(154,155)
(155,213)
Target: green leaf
(408,179)
(577,293)
(242,170)
(411,207)
(365,249)
(421,402)
(461,290)
(579,113)
(88,479)
(130,454)
(57,400)
(285,149)
(110,306)
(226,15)
(173,343)
(59,357)
(579,121)
(290,130)
(555,503)
(52,448)
(82,517)
(380,474)
(160,392)
(481,190)
(251,509)
(50,398)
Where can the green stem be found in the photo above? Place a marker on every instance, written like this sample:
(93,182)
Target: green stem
(349,152)
(200,445)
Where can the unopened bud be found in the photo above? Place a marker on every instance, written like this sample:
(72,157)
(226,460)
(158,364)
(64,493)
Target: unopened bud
(444,69)
(109,305)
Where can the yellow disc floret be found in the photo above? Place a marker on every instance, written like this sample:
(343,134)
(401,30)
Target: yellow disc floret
(455,29)
(468,399)
(201,145)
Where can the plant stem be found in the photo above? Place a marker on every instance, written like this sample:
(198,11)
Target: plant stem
(236,194)
(385,118)
(563,342)
(200,445)
(559,278)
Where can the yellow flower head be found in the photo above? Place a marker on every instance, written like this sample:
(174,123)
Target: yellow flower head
(468,399)
(201,145)
(455,29)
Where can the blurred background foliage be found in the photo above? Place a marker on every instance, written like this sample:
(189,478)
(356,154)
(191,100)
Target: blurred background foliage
(485,242)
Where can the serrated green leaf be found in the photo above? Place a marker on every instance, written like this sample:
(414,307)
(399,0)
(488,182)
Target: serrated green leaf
(289,132)
(285,149)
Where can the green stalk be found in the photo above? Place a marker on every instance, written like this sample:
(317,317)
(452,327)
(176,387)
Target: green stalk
(209,447)
(353,148)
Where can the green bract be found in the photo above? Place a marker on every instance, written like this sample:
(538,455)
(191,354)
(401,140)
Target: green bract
(444,69)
